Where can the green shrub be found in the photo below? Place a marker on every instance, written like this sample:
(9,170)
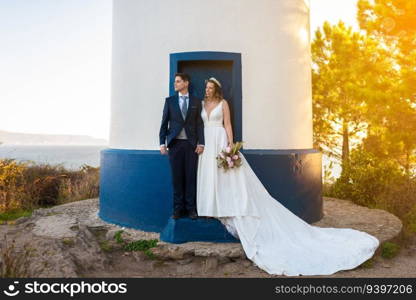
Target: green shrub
(368,263)
(377,182)
(14,214)
(365,178)
(118,238)
(389,249)
(141,245)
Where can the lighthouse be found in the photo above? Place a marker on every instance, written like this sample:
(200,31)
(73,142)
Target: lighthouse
(260,51)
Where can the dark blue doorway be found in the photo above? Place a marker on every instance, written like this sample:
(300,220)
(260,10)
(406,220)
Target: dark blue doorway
(224,66)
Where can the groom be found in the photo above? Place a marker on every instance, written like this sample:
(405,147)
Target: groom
(183,141)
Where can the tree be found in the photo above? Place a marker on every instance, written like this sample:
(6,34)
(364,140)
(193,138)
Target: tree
(352,77)
(393,23)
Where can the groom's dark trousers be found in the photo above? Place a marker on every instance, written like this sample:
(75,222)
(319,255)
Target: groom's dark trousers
(182,156)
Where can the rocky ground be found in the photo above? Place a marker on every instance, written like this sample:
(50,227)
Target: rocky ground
(71,241)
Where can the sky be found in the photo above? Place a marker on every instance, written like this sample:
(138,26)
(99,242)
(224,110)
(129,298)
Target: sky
(55,58)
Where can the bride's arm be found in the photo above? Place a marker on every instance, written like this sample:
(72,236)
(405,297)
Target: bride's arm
(227,122)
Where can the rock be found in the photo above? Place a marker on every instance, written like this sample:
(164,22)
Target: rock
(232,250)
(48,260)
(110,234)
(187,269)
(87,254)
(246,263)
(21,220)
(223,260)
(231,268)
(139,256)
(55,226)
(156,264)
(345,214)
(171,251)
(185,261)
(210,264)
(70,240)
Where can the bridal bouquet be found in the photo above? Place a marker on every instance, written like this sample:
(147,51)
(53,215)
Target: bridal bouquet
(230,157)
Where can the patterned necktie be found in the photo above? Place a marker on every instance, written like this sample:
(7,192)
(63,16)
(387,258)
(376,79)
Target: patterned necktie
(184,108)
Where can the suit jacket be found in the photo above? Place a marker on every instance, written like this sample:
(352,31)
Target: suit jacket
(173,122)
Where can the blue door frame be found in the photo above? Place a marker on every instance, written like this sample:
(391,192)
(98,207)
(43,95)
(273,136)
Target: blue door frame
(236,79)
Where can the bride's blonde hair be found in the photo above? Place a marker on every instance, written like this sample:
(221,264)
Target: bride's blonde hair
(217,88)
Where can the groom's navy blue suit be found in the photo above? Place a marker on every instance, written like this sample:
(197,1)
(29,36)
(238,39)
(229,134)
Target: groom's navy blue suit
(182,156)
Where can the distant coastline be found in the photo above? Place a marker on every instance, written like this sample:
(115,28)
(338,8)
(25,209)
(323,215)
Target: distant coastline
(21,139)
(70,156)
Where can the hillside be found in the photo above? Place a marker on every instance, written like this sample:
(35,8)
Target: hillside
(17,138)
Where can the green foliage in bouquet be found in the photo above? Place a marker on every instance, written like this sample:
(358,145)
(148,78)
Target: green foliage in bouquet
(230,158)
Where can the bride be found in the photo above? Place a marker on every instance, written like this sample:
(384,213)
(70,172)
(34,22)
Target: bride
(274,238)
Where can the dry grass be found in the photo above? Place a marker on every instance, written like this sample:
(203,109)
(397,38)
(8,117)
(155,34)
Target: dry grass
(26,186)
(14,263)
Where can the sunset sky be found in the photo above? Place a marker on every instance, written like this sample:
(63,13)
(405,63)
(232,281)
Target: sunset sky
(55,62)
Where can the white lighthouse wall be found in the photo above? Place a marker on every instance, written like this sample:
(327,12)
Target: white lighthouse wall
(272,37)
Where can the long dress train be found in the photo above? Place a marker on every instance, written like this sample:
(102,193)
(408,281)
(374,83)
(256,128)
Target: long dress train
(274,238)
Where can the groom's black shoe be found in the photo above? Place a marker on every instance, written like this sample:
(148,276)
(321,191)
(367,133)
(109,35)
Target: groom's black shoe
(193,215)
(177,215)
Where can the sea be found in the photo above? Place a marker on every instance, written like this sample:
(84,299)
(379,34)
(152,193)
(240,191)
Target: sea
(71,157)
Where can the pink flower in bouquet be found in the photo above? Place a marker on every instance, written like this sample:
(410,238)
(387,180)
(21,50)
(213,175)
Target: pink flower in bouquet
(229,157)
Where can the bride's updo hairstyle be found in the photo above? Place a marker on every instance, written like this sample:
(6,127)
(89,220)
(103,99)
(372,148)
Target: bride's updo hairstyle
(217,88)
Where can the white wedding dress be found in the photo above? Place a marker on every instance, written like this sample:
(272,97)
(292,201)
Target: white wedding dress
(274,238)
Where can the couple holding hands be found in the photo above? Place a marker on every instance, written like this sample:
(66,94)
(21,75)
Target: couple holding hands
(193,133)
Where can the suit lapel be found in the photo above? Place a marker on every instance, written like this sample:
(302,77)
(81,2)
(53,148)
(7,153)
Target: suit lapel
(177,106)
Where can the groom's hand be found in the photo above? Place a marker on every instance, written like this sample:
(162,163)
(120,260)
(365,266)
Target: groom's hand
(199,149)
(163,150)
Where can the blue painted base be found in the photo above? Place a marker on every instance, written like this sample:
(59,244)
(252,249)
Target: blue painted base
(292,177)
(201,229)
(136,188)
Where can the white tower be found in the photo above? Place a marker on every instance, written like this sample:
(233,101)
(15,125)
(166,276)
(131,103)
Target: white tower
(260,50)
